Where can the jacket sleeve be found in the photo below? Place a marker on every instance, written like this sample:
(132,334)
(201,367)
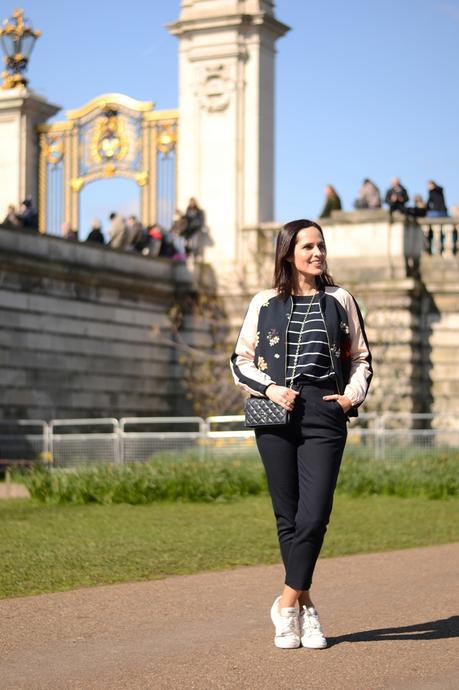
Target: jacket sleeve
(244,370)
(361,370)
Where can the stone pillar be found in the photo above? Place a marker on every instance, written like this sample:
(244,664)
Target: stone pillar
(21,110)
(226,105)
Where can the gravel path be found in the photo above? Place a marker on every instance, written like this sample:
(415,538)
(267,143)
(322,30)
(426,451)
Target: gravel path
(10,489)
(391,619)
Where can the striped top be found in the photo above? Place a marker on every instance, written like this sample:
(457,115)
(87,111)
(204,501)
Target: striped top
(313,356)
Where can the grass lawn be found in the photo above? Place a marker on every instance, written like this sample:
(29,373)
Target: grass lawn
(51,548)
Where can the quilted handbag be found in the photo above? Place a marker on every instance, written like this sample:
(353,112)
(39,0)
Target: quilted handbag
(264,412)
(261,412)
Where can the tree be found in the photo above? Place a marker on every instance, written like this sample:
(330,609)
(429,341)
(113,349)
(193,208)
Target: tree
(206,374)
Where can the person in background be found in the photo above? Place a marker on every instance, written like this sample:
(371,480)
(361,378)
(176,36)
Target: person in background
(436,206)
(68,233)
(332,202)
(95,234)
(419,209)
(178,227)
(11,221)
(396,196)
(155,240)
(194,225)
(117,231)
(167,249)
(369,196)
(28,216)
(136,236)
(179,223)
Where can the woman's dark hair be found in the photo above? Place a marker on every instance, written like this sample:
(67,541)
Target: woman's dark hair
(285,245)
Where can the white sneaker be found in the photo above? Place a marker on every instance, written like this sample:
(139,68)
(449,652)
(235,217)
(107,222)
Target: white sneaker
(311,632)
(287,628)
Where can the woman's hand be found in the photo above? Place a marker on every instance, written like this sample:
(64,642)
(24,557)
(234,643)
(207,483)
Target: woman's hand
(285,397)
(341,400)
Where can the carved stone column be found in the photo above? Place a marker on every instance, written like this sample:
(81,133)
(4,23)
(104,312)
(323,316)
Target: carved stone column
(226,104)
(21,110)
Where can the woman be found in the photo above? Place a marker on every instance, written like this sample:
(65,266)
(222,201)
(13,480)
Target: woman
(332,202)
(369,196)
(419,210)
(303,346)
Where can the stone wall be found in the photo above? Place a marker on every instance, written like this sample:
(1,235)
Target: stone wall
(78,334)
(79,324)
(440,333)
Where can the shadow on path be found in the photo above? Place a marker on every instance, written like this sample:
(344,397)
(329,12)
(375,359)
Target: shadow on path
(431,630)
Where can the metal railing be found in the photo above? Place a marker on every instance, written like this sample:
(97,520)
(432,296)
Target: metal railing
(227,434)
(142,437)
(72,442)
(82,441)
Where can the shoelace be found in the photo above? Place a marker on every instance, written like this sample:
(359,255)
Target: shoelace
(312,621)
(288,625)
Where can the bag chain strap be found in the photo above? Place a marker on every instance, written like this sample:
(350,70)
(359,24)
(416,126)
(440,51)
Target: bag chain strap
(299,340)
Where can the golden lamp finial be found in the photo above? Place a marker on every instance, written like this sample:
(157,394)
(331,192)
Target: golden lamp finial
(18,39)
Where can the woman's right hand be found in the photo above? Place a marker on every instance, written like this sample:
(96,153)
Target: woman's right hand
(285,397)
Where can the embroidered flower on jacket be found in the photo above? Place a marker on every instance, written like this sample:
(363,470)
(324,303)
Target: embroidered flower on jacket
(266,304)
(257,339)
(273,337)
(277,355)
(261,364)
(335,350)
(344,327)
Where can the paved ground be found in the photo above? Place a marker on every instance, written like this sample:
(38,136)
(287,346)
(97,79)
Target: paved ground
(391,620)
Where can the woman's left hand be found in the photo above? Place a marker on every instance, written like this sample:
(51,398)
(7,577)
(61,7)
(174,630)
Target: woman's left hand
(341,400)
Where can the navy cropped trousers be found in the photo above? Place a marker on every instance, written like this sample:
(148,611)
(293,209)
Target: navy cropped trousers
(302,461)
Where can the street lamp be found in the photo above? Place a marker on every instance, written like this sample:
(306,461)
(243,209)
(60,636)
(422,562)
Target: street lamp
(18,39)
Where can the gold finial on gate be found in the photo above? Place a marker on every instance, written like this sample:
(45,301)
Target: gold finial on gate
(166,138)
(18,39)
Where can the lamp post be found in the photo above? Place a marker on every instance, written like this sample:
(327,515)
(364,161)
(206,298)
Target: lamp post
(18,39)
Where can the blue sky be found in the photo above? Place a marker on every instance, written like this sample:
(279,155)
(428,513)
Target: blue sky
(364,88)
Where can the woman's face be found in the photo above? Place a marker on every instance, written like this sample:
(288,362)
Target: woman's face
(309,254)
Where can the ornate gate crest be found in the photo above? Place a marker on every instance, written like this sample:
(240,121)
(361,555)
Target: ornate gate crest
(111,136)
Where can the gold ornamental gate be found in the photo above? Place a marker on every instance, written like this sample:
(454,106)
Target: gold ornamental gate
(111,136)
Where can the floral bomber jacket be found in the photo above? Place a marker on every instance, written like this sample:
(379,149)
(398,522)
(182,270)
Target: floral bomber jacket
(259,358)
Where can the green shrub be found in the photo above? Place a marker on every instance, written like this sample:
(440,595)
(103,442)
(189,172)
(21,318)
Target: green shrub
(430,475)
(162,479)
(189,478)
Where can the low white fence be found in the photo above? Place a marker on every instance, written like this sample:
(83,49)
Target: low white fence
(75,441)
(23,439)
(71,442)
(142,437)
